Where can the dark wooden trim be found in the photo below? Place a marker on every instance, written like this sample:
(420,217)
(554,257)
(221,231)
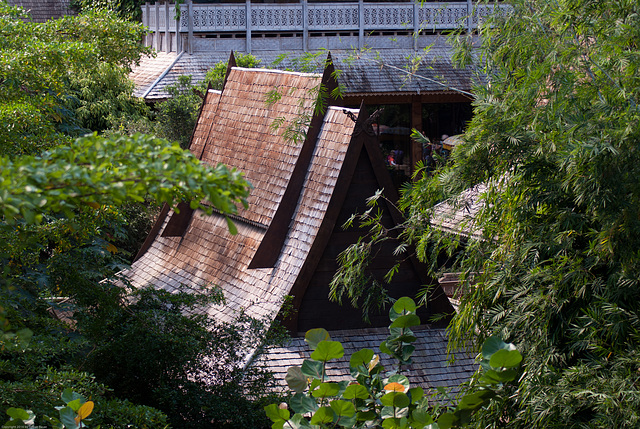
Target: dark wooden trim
(154,231)
(195,126)
(327,226)
(403,98)
(179,222)
(271,245)
(230,65)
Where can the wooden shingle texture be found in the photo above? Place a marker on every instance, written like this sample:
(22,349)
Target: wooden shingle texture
(457,215)
(430,368)
(361,72)
(234,128)
(43,10)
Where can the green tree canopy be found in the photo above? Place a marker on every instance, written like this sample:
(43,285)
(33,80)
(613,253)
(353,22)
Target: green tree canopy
(554,138)
(39,60)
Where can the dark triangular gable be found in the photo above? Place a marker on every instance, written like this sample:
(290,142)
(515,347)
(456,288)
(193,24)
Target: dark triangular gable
(362,174)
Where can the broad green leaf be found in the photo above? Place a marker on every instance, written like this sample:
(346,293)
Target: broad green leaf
(365,416)
(395,399)
(277,414)
(75,404)
(407,352)
(361,357)
(326,390)
(303,404)
(343,408)
(420,418)
(406,321)
(505,359)
(312,369)
(492,345)
(327,350)
(475,399)
(446,421)
(18,414)
(295,379)
(404,305)
(384,348)
(68,418)
(314,336)
(356,391)
(391,423)
(69,395)
(323,415)
(416,393)
(393,412)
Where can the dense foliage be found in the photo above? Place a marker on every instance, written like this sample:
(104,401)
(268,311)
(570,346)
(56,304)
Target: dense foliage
(70,209)
(379,397)
(554,138)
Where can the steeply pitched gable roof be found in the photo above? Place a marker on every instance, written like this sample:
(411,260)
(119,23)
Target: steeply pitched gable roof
(296,190)
(234,128)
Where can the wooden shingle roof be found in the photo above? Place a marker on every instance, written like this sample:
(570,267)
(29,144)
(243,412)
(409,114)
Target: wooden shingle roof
(431,367)
(297,188)
(234,128)
(362,73)
(243,132)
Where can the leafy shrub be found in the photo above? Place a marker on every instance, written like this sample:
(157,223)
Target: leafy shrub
(378,398)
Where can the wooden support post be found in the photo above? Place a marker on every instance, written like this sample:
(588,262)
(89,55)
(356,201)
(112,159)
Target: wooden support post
(157,34)
(145,22)
(416,24)
(178,18)
(305,25)
(167,34)
(360,24)
(248,12)
(416,122)
(190,24)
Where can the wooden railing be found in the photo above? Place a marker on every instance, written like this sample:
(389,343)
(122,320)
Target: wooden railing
(305,17)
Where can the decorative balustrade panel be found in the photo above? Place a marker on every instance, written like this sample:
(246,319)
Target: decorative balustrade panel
(443,16)
(388,16)
(276,17)
(222,17)
(320,16)
(343,16)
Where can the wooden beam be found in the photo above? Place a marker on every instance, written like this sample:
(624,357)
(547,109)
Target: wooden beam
(271,245)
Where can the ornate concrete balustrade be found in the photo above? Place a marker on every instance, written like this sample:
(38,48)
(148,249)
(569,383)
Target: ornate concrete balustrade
(349,19)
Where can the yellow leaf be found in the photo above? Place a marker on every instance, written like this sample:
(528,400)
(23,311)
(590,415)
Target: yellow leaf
(111,248)
(394,387)
(374,362)
(85,410)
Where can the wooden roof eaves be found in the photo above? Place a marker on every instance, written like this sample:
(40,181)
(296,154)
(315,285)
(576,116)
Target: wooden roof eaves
(338,196)
(271,245)
(155,229)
